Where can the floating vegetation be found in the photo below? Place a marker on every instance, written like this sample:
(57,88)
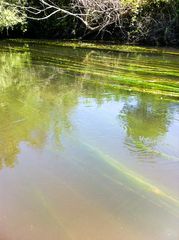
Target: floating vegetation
(131,69)
(98,46)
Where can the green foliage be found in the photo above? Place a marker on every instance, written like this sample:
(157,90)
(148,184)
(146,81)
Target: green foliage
(156,22)
(152,21)
(10,15)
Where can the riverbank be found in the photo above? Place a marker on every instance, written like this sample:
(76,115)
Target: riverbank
(143,22)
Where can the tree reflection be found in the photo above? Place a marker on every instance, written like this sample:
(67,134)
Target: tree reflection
(32,104)
(145,119)
(39,88)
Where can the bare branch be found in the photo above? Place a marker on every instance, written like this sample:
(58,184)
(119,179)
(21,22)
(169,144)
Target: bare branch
(95,15)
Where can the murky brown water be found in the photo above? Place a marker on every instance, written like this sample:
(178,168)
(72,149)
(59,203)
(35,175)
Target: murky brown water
(81,160)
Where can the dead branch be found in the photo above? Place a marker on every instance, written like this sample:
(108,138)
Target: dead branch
(95,15)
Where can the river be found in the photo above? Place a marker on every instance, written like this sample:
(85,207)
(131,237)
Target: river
(89,143)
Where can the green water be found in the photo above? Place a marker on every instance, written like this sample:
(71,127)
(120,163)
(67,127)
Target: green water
(89,143)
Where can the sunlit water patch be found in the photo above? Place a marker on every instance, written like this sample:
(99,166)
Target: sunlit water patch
(85,153)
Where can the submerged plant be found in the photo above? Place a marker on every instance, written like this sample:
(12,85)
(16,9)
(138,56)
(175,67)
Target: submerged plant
(164,198)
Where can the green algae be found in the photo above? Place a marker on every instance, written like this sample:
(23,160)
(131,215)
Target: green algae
(163,94)
(115,81)
(99,46)
(113,73)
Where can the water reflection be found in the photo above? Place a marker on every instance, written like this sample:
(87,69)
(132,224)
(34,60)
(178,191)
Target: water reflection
(31,105)
(70,145)
(145,121)
(39,92)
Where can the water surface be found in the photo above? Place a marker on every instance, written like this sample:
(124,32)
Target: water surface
(88,150)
